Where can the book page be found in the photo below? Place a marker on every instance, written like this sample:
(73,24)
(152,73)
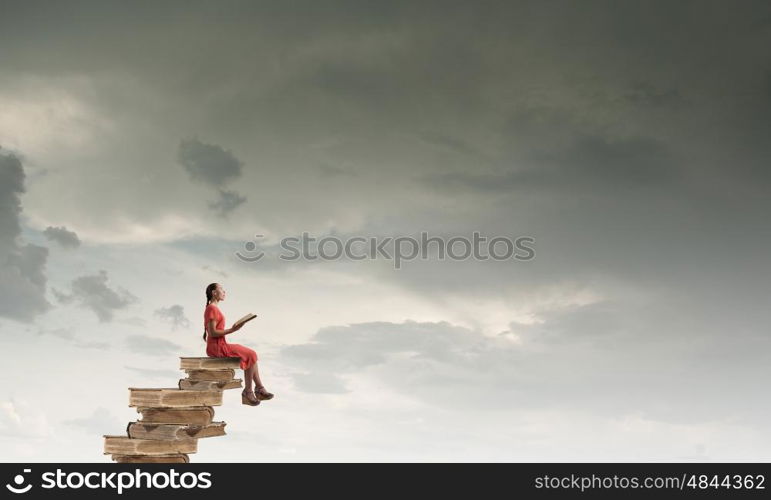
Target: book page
(246,318)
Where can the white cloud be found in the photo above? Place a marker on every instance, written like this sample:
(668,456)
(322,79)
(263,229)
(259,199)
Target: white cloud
(101,421)
(44,116)
(19,418)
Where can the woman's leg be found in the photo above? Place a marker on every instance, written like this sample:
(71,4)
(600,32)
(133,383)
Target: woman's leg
(256,376)
(248,358)
(259,389)
(249,376)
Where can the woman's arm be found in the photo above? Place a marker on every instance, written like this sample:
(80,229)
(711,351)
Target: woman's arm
(221,333)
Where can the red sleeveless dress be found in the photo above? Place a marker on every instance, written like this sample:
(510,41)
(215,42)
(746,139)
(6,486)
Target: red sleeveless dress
(218,347)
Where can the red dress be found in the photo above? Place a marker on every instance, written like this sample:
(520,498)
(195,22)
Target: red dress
(218,347)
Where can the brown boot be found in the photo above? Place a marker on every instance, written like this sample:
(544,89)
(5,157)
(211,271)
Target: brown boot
(248,398)
(262,394)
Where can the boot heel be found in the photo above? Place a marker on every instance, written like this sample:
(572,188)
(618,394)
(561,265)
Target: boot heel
(251,402)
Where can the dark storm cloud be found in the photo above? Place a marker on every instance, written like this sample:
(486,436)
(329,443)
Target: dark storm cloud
(453,75)
(22,266)
(63,236)
(211,165)
(227,202)
(628,150)
(175,315)
(646,95)
(590,163)
(334,171)
(92,292)
(11,187)
(208,163)
(556,151)
(454,144)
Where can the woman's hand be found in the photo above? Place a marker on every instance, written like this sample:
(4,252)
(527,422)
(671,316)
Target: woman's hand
(232,329)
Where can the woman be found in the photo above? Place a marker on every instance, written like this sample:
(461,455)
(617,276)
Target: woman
(217,346)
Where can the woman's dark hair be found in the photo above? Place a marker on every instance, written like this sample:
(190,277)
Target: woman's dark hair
(209,290)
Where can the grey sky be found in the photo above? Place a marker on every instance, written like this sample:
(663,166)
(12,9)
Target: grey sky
(144,143)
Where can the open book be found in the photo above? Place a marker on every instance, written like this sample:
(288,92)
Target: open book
(246,318)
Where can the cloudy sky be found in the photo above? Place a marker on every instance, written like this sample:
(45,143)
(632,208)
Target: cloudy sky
(143,145)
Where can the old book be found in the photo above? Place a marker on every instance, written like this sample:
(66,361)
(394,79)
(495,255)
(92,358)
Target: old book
(201,415)
(176,458)
(208,363)
(246,318)
(171,432)
(124,445)
(173,397)
(216,375)
(209,385)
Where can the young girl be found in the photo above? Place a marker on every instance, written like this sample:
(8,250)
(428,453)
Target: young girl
(218,347)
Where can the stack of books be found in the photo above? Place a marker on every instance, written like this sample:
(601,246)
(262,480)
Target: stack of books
(174,418)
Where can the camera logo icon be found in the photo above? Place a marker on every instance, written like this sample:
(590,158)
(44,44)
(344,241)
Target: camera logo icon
(19,481)
(251,246)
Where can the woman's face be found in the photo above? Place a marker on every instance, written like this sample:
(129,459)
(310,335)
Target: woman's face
(219,293)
